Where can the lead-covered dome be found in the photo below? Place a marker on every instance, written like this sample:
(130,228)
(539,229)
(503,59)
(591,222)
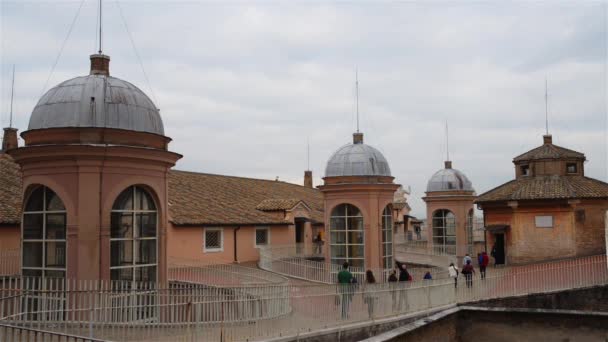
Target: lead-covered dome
(449,179)
(357,159)
(97,100)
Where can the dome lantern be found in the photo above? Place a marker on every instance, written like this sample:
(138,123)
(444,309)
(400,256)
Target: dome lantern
(100,64)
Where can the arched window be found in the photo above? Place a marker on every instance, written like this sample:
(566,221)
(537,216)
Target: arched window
(44,226)
(133,232)
(444,231)
(469,229)
(387,237)
(346,235)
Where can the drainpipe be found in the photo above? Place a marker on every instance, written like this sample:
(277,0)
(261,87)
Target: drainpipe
(236,258)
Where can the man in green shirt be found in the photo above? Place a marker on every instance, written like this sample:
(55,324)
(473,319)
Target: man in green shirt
(345,279)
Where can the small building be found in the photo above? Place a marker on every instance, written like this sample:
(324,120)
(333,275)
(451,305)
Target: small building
(449,209)
(551,210)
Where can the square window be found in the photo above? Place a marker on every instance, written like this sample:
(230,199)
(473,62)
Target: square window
(571,168)
(525,170)
(543,221)
(214,240)
(262,236)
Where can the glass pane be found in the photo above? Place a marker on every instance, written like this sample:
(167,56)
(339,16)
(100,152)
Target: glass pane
(147,251)
(31,273)
(55,226)
(355,223)
(55,254)
(121,253)
(122,225)
(34,202)
(143,201)
(146,224)
(261,237)
(339,210)
(32,254)
(355,237)
(355,251)
(338,251)
(351,210)
(124,200)
(32,226)
(356,263)
(53,202)
(213,239)
(338,223)
(338,237)
(121,274)
(145,273)
(54,274)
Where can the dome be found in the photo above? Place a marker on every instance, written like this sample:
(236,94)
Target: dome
(449,179)
(357,159)
(97,100)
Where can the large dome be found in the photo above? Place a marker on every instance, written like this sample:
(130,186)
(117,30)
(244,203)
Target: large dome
(449,179)
(357,159)
(97,100)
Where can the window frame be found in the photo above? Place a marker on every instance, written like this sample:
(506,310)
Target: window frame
(346,230)
(575,168)
(536,221)
(255,237)
(446,223)
(525,170)
(213,249)
(388,227)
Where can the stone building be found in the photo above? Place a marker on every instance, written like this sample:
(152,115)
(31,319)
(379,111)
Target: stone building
(358,193)
(551,210)
(449,207)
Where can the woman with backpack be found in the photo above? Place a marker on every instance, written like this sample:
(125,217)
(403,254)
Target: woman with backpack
(468,270)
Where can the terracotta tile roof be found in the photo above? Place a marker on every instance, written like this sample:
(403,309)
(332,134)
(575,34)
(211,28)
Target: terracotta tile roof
(548,151)
(546,187)
(277,204)
(10,190)
(199,198)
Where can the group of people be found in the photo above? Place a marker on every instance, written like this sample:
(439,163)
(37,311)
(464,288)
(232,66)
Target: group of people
(468,270)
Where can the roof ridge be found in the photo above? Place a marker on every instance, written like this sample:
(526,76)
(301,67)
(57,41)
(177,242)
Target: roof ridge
(241,177)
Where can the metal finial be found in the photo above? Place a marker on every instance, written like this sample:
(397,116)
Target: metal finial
(100,26)
(12,95)
(357,95)
(546,106)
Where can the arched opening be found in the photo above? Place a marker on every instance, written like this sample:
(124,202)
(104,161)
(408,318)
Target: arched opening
(469,231)
(133,236)
(43,232)
(347,235)
(387,237)
(444,232)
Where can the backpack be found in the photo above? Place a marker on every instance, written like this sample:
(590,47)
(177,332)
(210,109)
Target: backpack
(409,277)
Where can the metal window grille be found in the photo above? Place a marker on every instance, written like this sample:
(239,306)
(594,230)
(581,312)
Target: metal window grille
(261,237)
(213,239)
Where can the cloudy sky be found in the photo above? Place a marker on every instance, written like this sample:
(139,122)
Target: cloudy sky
(242,86)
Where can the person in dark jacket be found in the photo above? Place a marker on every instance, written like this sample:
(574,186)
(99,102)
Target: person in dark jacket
(392,279)
(468,270)
(404,276)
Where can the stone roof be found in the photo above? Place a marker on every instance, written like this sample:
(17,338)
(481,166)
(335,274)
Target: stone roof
(546,187)
(548,151)
(10,190)
(199,198)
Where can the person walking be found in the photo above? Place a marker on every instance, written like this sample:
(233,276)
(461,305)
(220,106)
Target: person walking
(345,280)
(453,272)
(370,297)
(319,243)
(468,270)
(485,260)
(404,276)
(392,279)
(466,259)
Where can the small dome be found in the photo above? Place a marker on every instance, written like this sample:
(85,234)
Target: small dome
(97,100)
(357,159)
(449,179)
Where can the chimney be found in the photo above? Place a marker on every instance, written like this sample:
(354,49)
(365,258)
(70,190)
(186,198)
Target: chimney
(547,139)
(357,138)
(308,179)
(100,64)
(448,164)
(9,141)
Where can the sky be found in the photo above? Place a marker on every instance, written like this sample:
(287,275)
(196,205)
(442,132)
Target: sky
(244,86)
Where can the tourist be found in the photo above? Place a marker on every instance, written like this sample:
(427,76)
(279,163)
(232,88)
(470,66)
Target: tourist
(392,279)
(466,259)
(485,260)
(468,270)
(370,297)
(404,276)
(345,281)
(453,272)
(319,243)
(428,276)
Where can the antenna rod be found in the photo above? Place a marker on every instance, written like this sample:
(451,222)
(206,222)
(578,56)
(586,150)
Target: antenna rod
(357,90)
(447,141)
(308,153)
(100,26)
(12,95)
(546,106)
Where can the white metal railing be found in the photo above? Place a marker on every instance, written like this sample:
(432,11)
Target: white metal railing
(10,333)
(195,312)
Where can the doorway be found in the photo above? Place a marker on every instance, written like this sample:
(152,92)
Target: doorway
(498,251)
